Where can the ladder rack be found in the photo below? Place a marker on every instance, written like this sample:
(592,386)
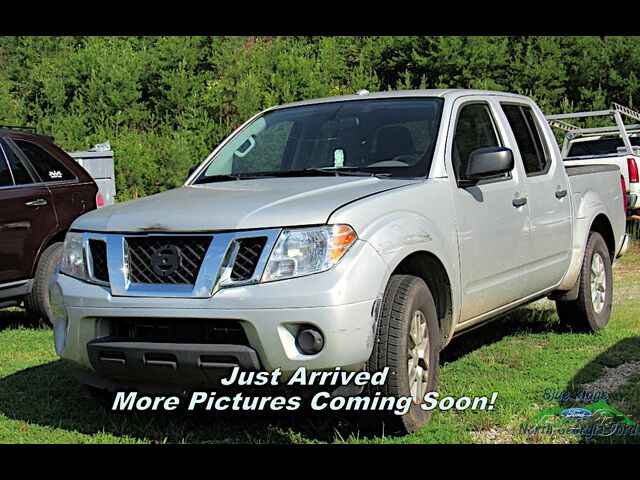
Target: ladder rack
(559,122)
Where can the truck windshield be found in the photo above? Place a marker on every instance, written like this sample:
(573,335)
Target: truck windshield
(604,146)
(387,137)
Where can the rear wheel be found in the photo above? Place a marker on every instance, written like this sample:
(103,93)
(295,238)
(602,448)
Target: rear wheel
(591,310)
(408,342)
(37,301)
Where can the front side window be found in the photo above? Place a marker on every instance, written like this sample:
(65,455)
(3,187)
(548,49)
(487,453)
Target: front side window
(475,129)
(525,130)
(389,137)
(48,167)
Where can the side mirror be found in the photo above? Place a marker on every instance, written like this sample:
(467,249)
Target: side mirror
(488,162)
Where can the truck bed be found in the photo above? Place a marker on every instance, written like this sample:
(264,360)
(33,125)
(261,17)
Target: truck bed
(573,170)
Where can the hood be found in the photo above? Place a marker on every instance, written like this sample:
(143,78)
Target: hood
(237,205)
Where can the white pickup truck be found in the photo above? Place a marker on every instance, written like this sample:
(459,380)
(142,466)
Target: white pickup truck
(360,232)
(618,145)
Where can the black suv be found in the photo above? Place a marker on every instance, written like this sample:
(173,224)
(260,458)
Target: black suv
(42,191)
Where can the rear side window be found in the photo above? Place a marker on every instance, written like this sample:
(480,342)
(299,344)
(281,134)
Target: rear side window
(47,166)
(18,168)
(475,129)
(525,130)
(5,174)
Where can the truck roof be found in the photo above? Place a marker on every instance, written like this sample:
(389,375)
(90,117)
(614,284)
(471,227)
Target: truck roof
(439,92)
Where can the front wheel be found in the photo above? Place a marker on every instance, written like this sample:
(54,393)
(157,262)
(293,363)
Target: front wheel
(408,342)
(590,312)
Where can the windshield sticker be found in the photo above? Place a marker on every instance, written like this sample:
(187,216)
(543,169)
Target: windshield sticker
(338,158)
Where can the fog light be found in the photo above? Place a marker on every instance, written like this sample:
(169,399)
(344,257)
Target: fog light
(309,340)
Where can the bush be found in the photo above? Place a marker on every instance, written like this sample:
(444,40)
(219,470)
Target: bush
(166,102)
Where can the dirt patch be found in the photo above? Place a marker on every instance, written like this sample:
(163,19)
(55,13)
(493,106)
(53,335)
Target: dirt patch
(614,377)
(493,434)
(611,379)
(496,434)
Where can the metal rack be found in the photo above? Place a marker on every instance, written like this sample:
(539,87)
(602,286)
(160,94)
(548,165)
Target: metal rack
(559,122)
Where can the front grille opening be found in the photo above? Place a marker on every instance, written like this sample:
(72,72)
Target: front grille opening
(165,259)
(179,330)
(98,251)
(246,261)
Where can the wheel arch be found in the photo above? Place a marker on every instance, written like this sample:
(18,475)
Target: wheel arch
(602,225)
(568,289)
(428,267)
(57,236)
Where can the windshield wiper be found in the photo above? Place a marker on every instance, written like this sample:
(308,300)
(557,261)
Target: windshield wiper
(306,172)
(227,176)
(331,171)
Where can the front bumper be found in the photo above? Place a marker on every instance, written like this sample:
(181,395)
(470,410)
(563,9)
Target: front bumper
(340,303)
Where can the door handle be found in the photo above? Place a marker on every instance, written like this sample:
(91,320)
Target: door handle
(519,202)
(561,193)
(38,202)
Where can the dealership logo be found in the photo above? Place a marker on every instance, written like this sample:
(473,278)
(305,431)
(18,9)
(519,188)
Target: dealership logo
(165,260)
(577,413)
(597,419)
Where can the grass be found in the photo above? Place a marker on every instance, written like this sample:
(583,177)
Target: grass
(520,356)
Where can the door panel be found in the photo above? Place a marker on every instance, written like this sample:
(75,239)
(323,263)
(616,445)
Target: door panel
(493,236)
(27,217)
(71,196)
(23,229)
(549,202)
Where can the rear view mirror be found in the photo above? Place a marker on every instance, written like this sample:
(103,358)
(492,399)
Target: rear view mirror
(489,162)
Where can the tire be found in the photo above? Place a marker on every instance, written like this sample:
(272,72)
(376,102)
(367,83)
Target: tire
(37,301)
(407,302)
(585,314)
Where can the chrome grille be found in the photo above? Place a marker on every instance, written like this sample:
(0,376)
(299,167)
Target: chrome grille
(159,259)
(100,270)
(249,251)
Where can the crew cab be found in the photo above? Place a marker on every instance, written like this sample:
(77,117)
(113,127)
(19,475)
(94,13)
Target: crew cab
(42,191)
(362,232)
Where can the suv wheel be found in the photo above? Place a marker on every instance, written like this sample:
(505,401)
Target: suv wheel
(591,310)
(37,301)
(408,342)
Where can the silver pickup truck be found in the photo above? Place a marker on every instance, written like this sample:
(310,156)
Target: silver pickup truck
(363,231)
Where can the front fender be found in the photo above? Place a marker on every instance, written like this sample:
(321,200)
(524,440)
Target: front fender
(398,223)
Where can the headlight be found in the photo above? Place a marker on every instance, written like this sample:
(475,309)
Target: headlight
(305,251)
(72,263)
